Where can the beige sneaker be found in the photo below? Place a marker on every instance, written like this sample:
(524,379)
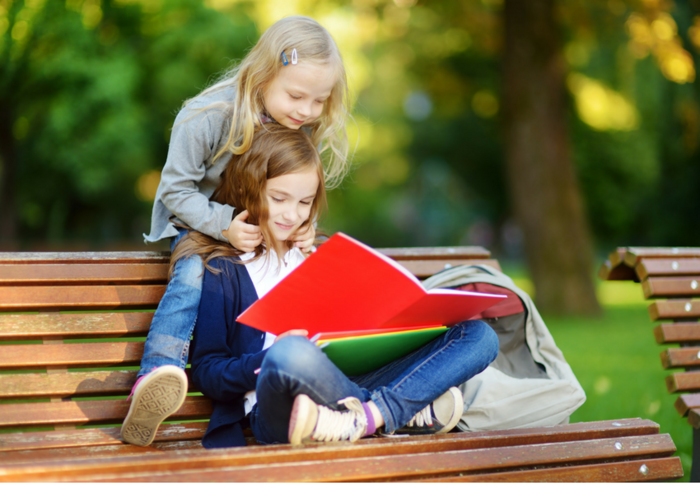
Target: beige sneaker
(440,416)
(311,422)
(156,396)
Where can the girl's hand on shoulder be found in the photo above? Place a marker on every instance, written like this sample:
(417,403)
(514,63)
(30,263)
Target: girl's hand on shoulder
(241,235)
(301,332)
(305,241)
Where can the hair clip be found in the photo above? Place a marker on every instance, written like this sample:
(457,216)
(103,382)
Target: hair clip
(284,59)
(294,57)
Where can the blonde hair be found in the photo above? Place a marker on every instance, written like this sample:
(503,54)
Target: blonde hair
(314,44)
(275,151)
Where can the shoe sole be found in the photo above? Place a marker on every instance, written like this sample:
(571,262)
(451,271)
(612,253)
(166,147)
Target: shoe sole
(458,399)
(299,419)
(154,400)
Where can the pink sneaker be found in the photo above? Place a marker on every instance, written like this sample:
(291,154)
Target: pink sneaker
(157,395)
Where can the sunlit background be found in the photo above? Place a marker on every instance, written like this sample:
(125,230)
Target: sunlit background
(89,90)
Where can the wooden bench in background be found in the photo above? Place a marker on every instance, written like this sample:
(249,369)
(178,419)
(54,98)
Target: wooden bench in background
(671,278)
(72,338)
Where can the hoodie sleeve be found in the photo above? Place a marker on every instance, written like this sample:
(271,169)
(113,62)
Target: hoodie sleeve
(195,137)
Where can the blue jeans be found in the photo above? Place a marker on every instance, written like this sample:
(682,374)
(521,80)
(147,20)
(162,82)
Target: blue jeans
(400,389)
(168,340)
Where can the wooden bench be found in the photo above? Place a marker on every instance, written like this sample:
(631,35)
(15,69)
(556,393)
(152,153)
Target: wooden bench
(72,338)
(671,278)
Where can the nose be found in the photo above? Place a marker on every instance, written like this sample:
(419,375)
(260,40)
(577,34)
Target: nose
(291,215)
(304,110)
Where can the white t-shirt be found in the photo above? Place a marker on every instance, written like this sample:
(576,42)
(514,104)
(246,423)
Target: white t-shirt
(265,276)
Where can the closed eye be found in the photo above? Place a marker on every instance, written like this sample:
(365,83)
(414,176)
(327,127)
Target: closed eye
(294,97)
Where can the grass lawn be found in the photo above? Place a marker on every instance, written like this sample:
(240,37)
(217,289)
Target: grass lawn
(616,360)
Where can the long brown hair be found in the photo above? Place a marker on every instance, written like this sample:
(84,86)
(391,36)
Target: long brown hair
(275,151)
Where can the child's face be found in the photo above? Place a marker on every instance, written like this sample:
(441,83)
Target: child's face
(297,94)
(289,198)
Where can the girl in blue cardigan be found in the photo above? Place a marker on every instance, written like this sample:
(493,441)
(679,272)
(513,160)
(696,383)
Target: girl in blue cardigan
(284,387)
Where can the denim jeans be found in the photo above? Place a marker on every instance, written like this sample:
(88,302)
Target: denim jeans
(400,389)
(168,340)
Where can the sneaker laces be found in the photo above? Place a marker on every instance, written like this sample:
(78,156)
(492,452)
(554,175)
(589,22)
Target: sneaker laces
(335,425)
(422,418)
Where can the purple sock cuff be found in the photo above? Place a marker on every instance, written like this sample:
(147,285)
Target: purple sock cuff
(371,428)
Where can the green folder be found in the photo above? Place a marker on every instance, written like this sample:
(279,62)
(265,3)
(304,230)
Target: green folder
(359,355)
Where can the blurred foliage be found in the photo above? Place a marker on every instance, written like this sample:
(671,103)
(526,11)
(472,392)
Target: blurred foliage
(92,88)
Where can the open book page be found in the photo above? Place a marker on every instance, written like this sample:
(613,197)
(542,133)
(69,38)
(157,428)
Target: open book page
(388,260)
(444,306)
(344,285)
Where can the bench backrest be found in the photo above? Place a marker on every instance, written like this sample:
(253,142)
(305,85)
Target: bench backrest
(74,324)
(70,358)
(670,277)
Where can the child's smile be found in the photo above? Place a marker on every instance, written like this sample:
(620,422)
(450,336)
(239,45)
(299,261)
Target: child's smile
(289,199)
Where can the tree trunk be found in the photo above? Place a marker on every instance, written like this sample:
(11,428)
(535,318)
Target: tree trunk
(542,179)
(8,212)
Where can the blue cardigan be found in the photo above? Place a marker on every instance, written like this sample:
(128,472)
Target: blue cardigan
(224,353)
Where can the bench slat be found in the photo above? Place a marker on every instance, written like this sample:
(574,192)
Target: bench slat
(88,452)
(683,381)
(674,310)
(678,332)
(89,297)
(97,297)
(68,384)
(150,273)
(671,287)
(42,441)
(83,412)
(694,418)
(211,467)
(94,354)
(686,402)
(663,266)
(662,469)
(425,269)
(33,258)
(83,274)
(477,449)
(172,432)
(74,326)
(634,255)
(683,357)
(436,253)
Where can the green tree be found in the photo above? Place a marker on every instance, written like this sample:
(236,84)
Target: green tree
(88,92)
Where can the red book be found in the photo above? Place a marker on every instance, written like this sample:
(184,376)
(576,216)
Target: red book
(347,286)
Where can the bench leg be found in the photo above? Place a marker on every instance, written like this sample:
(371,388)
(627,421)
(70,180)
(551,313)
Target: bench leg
(695,469)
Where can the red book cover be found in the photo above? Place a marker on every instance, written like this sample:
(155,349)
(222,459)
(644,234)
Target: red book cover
(347,286)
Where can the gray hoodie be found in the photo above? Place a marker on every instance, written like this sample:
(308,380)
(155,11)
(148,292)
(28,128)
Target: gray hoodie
(190,174)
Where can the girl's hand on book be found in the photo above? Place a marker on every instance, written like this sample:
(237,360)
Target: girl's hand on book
(241,235)
(305,241)
(301,332)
